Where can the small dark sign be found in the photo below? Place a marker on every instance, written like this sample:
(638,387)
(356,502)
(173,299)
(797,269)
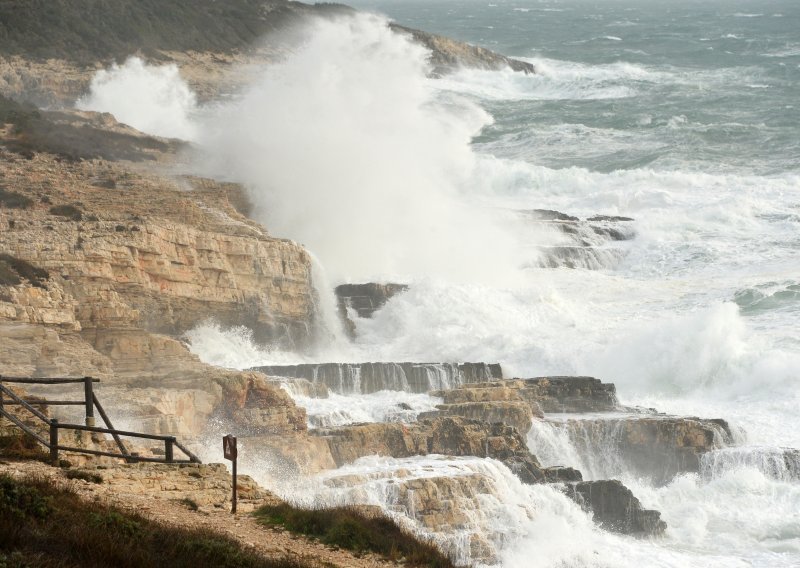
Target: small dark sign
(229,447)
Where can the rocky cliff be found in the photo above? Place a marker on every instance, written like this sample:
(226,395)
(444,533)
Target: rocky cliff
(105,264)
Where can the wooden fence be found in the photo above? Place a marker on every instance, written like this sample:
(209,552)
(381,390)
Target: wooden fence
(90,403)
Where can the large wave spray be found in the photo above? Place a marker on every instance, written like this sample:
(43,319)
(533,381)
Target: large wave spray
(348,148)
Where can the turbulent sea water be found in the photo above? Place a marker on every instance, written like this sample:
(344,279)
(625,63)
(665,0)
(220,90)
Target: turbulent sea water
(683,115)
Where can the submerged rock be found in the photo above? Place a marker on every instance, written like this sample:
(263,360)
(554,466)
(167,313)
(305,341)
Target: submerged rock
(615,508)
(592,243)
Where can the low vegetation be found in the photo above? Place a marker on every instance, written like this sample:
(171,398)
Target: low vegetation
(44,526)
(13,200)
(22,447)
(13,270)
(353,530)
(70,137)
(83,475)
(68,211)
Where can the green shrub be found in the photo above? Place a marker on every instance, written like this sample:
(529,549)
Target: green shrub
(68,211)
(83,475)
(190,504)
(12,269)
(14,200)
(22,501)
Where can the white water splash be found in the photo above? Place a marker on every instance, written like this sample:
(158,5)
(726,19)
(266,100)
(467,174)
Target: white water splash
(152,98)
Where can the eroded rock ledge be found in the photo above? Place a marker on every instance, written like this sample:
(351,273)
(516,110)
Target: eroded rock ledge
(447,436)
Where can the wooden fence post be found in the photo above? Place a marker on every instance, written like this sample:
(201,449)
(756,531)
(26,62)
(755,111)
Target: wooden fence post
(168,449)
(89,396)
(54,441)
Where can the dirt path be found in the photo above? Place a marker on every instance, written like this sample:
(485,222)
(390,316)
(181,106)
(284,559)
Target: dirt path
(160,503)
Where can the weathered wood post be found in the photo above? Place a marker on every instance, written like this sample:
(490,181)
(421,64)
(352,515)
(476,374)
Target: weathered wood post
(54,441)
(2,408)
(168,449)
(89,394)
(231,453)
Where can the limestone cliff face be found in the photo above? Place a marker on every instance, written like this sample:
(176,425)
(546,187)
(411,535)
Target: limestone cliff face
(148,254)
(129,261)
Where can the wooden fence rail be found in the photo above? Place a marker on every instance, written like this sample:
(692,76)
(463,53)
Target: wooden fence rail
(90,402)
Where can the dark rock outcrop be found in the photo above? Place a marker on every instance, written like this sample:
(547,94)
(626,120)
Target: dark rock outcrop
(448,54)
(364,299)
(615,508)
(367,298)
(367,378)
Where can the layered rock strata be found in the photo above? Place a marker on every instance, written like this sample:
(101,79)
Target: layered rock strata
(446,436)
(517,402)
(104,266)
(365,378)
(571,394)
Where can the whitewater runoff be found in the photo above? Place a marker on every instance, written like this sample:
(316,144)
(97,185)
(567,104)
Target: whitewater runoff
(680,115)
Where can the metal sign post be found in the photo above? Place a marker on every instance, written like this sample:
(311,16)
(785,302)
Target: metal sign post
(231,453)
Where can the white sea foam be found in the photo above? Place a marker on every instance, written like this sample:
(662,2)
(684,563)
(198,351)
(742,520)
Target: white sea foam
(383,406)
(152,98)
(556,80)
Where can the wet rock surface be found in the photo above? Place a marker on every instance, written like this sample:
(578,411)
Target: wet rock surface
(365,378)
(447,436)
(364,300)
(657,447)
(615,508)
(593,243)
(571,394)
(516,414)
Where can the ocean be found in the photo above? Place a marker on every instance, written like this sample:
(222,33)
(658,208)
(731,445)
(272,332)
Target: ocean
(682,115)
